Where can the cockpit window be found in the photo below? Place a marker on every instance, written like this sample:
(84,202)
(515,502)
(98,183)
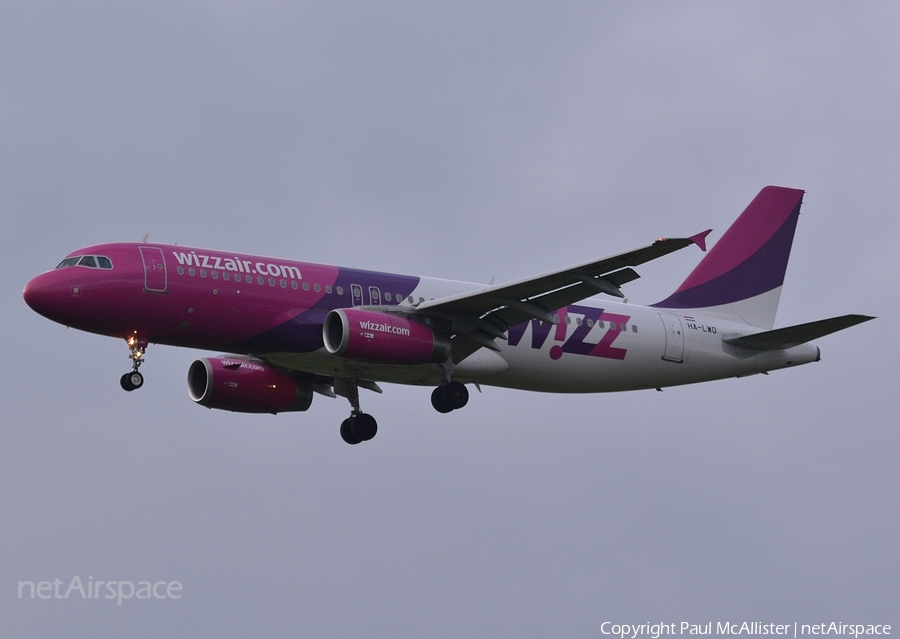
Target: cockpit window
(69,261)
(90,261)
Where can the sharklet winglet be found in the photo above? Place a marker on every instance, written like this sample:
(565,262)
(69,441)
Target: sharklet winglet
(700,239)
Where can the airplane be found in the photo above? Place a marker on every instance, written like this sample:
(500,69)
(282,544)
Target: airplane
(295,329)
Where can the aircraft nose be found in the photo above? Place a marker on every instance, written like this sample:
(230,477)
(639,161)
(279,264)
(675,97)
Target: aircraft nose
(41,296)
(33,294)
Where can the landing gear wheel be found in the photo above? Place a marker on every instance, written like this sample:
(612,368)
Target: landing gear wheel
(131,381)
(456,395)
(347,432)
(437,400)
(136,379)
(364,426)
(357,428)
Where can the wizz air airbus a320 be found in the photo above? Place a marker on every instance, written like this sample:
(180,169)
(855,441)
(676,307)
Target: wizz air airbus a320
(294,328)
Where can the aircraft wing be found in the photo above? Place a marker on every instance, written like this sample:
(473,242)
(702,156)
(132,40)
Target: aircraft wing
(476,318)
(784,338)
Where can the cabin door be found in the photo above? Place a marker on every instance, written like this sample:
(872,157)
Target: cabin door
(155,280)
(674,337)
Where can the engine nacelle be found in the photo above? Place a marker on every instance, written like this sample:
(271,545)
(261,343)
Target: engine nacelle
(245,386)
(382,338)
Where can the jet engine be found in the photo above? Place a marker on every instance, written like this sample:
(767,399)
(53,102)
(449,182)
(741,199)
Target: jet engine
(245,386)
(382,338)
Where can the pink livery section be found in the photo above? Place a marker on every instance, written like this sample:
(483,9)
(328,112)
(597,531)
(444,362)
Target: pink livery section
(741,276)
(382,338)
(237,384)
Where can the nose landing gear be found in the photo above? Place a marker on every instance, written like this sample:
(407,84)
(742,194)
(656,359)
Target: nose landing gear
(137,344)
(131,381)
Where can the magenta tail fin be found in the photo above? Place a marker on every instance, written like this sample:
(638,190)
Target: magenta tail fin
(741,276)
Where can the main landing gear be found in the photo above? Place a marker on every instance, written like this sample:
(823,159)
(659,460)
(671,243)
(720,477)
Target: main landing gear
(138,346)
(360,426)
(449,396)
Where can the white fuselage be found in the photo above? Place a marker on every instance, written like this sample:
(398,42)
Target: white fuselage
(598,345)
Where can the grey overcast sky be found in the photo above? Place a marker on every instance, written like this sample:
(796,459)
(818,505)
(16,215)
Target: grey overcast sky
(466,141)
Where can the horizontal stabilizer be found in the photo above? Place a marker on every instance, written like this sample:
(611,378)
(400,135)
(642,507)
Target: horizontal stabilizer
(784,338)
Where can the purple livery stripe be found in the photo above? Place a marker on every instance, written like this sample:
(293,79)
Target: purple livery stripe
(301,332)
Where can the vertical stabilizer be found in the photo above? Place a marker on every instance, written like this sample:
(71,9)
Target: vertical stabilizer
(741,277)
